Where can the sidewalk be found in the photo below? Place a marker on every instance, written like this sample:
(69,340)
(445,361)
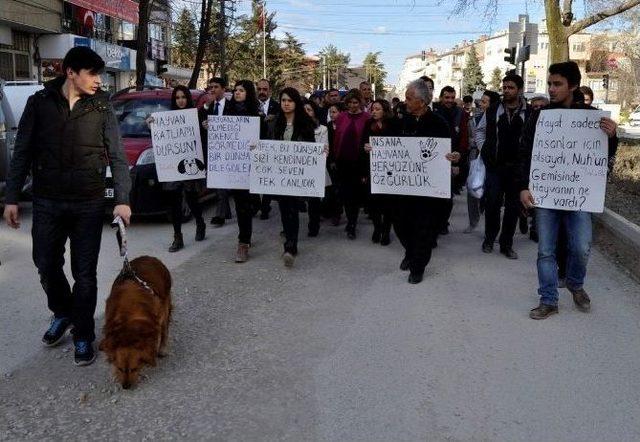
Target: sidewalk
(341,348)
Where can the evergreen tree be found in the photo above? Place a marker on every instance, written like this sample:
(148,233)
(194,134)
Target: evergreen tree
(185,40)
(472,73)
(376,73)
(496,80)
(333,62)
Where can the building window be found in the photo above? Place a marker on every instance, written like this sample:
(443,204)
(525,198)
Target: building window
(156,31)
(126,31)
(15,59)
(578,47)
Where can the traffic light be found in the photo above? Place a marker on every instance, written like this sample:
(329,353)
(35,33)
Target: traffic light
(605,81)
(424,55)
(511,58)
(161,67)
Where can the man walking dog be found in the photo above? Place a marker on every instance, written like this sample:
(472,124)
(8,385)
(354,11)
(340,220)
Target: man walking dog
(67,136)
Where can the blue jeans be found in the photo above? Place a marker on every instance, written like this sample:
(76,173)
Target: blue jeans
(80,222)
(577,226)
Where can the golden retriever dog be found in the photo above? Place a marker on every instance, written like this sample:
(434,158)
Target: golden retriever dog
(137,318)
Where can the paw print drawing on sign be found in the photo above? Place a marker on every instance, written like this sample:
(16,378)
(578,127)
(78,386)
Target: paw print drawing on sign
(428,149)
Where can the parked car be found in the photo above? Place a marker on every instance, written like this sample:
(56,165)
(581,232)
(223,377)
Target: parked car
(634,117)
(13,99)
(132,109)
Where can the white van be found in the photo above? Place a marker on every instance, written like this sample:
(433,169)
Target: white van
(13,99)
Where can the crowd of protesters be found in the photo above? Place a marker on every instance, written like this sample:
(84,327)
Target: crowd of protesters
(499,130)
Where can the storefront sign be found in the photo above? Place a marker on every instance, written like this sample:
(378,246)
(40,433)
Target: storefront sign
(115,57)
(123,9)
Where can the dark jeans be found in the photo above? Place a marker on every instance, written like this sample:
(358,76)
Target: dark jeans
(577,227)
(55,221)
(415,225)
(289,207)
(499,187)
(175,209)
(245,209)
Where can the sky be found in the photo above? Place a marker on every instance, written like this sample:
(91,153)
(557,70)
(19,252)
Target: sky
(397,28)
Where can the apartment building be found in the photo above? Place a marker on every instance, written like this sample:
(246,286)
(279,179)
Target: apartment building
(35,36)
(445,68)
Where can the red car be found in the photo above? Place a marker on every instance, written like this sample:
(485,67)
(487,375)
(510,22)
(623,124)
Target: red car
(132,109)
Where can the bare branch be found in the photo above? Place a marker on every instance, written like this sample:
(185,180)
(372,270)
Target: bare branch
(567,13)
(599,16)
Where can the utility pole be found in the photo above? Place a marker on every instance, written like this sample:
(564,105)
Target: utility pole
(264,39)
(324,73)
(141,44)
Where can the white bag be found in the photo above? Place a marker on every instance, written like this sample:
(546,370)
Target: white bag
(475,181)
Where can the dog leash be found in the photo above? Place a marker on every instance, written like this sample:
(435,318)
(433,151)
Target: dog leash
(127,270)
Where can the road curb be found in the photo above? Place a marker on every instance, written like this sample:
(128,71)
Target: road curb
(620,227)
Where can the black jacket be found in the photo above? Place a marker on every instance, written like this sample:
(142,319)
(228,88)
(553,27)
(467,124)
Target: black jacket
(274,108)
(68,150)
(500,149)
(429,124)
(523,166)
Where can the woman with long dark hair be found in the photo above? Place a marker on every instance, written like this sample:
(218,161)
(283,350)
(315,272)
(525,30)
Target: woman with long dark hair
(190,190)
(292,124)
(381,124)
(244,103)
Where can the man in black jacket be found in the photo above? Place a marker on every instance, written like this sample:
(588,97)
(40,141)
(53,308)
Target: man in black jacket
(504,124)
(216,104)
(564,81)
(416,220)
(67,136)
(269,109)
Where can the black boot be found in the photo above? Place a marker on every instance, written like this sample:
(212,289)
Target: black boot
(177,244)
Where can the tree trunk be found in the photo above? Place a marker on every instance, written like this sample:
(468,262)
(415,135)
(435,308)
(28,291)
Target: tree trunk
(141,46)
(203,38)
(558,36)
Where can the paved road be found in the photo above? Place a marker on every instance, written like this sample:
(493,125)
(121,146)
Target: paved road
(341,348)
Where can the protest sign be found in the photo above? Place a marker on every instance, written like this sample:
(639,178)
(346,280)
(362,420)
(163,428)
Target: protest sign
(569,160)
(410,166)
(177,147)
(229,161)
(288,168)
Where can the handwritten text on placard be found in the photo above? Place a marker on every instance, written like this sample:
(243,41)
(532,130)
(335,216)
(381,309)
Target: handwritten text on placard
(228,140)
(569,160)
(177,147)
(288,168)
(410,166)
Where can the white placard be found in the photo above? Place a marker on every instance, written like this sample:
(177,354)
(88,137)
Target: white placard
(288,168)
(411,166)
(177,147)
(228,140)
(569,160)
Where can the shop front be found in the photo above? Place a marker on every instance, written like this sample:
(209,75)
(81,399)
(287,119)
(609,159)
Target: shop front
(119,61)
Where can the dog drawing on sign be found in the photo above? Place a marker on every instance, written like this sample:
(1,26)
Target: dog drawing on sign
(428,149)
(190,166)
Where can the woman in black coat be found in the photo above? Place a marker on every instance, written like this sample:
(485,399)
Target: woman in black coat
(244,103)
(381,124)
(179,191)
(292,124)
